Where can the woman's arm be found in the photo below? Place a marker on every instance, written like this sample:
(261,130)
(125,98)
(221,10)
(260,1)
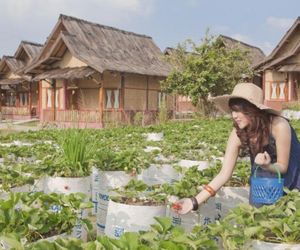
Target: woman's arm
(282,133)
(231,154)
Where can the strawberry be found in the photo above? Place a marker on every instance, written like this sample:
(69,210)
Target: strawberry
(176,206)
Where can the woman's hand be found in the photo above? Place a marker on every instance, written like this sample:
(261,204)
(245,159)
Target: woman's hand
(182,206)
(263,159)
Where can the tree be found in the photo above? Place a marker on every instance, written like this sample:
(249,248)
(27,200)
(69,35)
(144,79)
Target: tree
(209,69)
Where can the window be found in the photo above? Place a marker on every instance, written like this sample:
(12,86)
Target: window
(112,98)
(49,98)
(11,99)
(23,97)
(279,91)
(162,98)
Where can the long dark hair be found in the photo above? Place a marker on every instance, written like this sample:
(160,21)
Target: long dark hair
(258,131)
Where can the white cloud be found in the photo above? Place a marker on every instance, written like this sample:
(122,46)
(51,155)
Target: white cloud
(117,11)
(266,46)
(280,23)
(34,19)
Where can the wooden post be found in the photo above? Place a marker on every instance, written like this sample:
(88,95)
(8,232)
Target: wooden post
(65,94)
(40,100)
(29,99)
(174,105)
(17,104)
(1,103)
(53,83)
(147,94)
(122,97)
(101,103)
(287,88)
(122,92)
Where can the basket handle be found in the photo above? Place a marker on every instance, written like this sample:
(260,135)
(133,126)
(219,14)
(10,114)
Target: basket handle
(276,168)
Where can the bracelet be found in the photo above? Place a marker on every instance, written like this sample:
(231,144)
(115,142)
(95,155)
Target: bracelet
(195,203)
(209,189)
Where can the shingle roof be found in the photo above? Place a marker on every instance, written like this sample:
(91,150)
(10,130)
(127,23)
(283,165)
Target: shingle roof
(104,48)
(283,50)
(32,49)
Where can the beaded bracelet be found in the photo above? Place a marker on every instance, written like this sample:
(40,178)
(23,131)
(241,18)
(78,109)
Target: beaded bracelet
(195,203)
(209,189)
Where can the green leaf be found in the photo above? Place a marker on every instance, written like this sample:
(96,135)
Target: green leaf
(10,241)
(250,231)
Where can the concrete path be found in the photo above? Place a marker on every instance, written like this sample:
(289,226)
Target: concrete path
(8,125)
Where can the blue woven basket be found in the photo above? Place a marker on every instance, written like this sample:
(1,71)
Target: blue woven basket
(266,190)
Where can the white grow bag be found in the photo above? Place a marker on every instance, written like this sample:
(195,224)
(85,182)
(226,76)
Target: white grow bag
(155,136)
(95,188)
(262,245)
(203,216)
(201,165)
(226,199)
(55,237)
(159,174)
(39,185)
(20,189)
(186,221)
(291,114)
(215,208)
(123,218)
(67,186)
(108,180)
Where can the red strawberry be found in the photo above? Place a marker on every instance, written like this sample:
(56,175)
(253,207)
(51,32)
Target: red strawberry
(176,206)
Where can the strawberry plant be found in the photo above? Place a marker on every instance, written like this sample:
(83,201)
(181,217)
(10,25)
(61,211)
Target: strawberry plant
(277,223)
(162,235)
(193,179)
(31,217)
(128,160)
(136,192)
(14,176)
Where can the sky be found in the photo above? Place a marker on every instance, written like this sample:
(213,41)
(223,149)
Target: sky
(261,23)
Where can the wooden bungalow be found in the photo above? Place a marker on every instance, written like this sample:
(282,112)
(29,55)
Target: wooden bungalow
(183,103)
(90,75)
(281,70)
(19,97)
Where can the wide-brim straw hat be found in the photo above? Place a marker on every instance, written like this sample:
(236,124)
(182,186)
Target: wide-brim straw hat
(248,91)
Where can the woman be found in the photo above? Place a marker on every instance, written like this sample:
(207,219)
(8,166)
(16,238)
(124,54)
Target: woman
(261,131)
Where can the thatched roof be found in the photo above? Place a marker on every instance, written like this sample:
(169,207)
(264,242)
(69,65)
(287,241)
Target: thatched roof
(101,47)
(288,47)
(25,53)
(256,55)
(11,81)
(66,73)
(9,63)
(28,50)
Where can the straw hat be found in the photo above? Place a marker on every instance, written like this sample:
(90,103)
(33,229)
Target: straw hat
(247,91)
